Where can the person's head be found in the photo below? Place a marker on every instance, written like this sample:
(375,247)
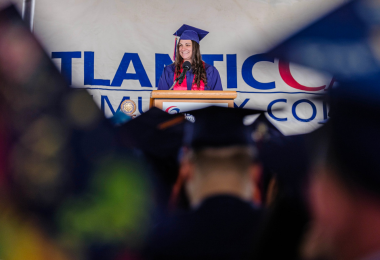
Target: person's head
(216,171)
(185,49)
(218,147)
(189,50)
(344,187)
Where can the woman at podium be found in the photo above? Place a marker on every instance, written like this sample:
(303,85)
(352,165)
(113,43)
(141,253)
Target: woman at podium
(201,76)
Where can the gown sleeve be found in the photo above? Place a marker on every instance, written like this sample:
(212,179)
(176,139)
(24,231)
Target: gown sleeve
(163,84)
(213,79)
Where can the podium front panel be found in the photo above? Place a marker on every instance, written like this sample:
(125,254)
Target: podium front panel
(184,105)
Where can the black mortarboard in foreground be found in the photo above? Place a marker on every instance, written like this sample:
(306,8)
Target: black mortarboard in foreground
(216,126)
(155,132)
(264,130)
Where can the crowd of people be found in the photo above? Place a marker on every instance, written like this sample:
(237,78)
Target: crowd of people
(75,185)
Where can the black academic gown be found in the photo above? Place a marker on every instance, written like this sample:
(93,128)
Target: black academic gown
(222,227)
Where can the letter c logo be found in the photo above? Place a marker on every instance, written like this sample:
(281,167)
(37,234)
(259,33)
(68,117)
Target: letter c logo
(287,77)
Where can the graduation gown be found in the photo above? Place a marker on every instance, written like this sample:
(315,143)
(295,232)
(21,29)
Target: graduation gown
(222,227)
(213,78)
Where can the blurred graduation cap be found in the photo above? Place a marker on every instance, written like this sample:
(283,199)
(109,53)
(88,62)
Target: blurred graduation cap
(264,130)
(155,132)
(217,126)
(187,32)
(345,43)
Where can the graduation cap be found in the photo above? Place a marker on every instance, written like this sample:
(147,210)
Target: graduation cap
(343,43)
(263,129)
(216,126)
(187,32)
(155,132)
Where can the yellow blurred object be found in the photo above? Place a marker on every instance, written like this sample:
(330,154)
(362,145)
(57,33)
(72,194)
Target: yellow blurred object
(21,238)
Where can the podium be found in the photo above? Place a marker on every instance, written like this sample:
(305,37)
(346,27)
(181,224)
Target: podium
(175,101)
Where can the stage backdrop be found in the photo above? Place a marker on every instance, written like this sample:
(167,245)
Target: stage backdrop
(117,50)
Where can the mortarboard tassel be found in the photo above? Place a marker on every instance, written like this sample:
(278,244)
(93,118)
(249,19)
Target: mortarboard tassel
(175,47)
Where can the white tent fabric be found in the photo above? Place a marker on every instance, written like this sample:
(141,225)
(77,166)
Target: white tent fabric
(117,50)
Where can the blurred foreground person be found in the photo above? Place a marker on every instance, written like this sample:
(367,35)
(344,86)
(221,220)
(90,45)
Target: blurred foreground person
(284,161)
(345,186)
(219,171)
(67,189)
(345,189)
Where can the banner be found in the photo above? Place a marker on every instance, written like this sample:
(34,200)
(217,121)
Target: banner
(117,51)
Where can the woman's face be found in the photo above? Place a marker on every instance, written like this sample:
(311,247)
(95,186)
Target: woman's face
(185,49)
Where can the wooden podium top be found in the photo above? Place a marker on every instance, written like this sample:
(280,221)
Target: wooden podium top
(209,94)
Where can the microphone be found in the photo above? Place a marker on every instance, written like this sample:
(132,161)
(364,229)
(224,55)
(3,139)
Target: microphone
(185,66)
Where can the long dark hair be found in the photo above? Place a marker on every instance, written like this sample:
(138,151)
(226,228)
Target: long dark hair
(196,64)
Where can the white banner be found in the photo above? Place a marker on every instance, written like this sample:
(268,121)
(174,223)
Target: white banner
(118,49)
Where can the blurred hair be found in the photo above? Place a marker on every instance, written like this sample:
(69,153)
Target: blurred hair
(230,159)
(341,170)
